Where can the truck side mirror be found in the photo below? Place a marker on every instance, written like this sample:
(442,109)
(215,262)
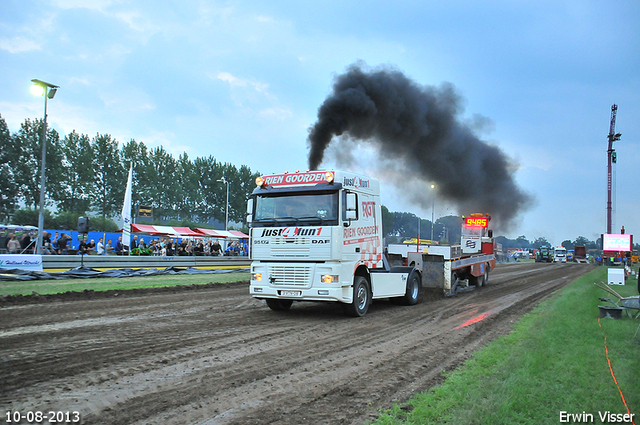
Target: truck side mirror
(250,210)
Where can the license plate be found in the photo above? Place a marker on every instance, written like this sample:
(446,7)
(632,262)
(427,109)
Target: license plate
(291,293)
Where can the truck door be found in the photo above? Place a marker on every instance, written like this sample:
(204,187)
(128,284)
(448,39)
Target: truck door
(369,232)
(362,234)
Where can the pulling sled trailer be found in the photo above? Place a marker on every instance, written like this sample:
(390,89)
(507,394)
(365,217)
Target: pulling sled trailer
(455,268)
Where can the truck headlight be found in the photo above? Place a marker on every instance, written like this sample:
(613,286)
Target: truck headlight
(256,276)
(329,278)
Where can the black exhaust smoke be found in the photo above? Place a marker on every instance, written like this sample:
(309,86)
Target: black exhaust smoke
(417,133)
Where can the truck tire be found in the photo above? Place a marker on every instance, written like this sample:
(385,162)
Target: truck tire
(361,298)
(478,281)
(279,305)
(487,269)
(414,289)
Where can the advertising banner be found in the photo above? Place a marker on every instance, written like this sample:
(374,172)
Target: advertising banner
(145,211)
(28,262)
(616,242)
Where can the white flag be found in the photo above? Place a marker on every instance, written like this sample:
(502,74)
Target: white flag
(126,211)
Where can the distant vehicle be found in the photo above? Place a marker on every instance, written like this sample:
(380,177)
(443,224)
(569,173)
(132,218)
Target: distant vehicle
(560,255)
(580,254)
(523,253)
(544,255)
(570,255)
(634,256)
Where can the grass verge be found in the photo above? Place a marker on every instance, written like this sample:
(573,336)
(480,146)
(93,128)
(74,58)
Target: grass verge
(554,361)
(45,287)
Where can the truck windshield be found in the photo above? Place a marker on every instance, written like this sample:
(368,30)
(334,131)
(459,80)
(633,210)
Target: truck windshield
(297,209)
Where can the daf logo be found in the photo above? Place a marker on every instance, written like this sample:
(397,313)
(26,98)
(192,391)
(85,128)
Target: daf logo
(317,241)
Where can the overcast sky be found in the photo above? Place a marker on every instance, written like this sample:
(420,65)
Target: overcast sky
(243,80)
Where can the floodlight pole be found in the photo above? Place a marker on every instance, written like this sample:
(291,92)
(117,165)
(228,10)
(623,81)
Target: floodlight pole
(49,90)
(226,216)
(433,207)
(612,137)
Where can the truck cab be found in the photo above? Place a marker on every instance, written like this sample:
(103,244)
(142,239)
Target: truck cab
(560,254)
(317,236)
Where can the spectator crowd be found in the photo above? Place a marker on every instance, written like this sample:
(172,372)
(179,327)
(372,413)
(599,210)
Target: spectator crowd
(61,244)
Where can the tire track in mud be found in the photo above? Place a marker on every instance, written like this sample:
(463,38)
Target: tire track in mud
(419,366)
(217,356)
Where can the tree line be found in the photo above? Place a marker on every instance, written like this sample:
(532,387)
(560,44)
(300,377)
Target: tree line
(521,242)
(399,226)
(88,175)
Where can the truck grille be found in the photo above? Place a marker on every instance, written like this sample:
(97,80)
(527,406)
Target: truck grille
(290,275)
(291,251)
(290,247)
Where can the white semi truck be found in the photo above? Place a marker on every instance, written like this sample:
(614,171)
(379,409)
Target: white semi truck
(317,236)
(560,254)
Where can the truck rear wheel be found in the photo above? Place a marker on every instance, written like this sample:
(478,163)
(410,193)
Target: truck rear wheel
(361,298)
(413,291)
(279,305)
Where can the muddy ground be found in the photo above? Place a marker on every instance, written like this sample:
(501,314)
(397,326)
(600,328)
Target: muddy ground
(217,356)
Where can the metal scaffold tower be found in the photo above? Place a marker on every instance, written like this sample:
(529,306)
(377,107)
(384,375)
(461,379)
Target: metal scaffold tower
(611,159)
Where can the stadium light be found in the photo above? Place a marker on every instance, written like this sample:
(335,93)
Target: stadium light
(433,207)
(41,88)
(226,217)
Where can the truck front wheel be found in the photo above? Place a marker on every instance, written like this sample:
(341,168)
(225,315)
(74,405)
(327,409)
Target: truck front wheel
(361,298)
(279,305)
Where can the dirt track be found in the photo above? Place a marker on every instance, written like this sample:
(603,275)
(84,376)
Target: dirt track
(217,356)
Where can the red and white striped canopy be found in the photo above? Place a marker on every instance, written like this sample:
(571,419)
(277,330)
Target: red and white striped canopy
(231,234)
(163,230)
(185,232)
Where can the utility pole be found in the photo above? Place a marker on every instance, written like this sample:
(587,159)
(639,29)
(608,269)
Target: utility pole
(611,158)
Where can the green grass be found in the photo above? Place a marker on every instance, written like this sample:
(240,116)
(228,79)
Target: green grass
(553,361)
(104,284)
